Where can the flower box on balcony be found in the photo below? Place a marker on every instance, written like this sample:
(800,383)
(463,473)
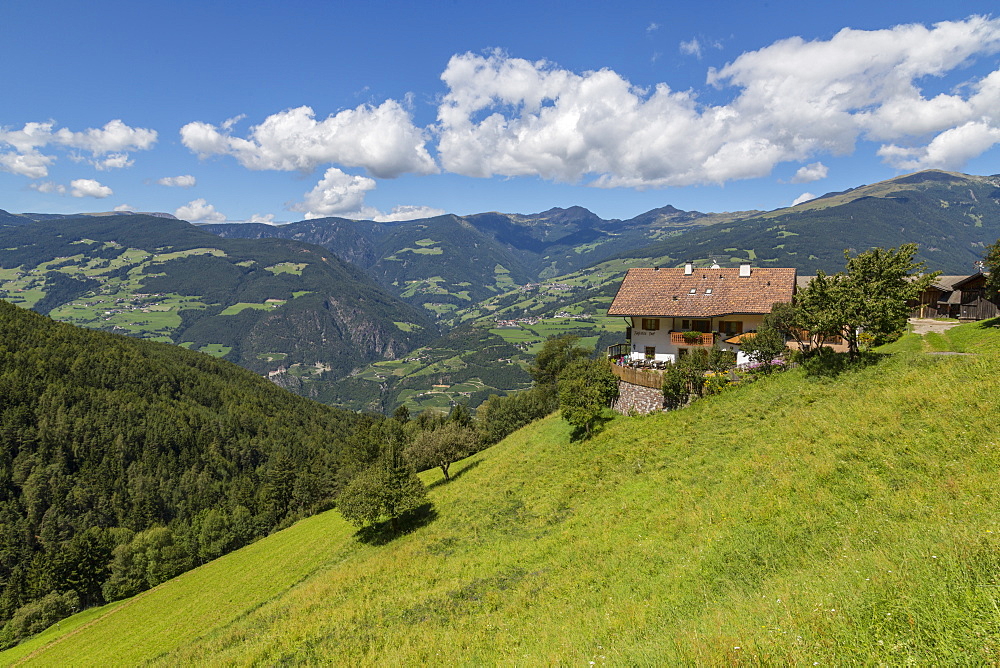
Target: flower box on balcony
(692,338)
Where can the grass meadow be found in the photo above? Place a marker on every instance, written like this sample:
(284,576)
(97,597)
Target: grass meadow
(849,519)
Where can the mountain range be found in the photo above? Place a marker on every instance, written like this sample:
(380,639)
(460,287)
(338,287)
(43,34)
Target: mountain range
(278,307)
(313,302)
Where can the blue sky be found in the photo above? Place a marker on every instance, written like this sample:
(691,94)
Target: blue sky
(283,111)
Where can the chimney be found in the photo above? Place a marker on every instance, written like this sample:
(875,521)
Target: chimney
(688,268)
(744,269)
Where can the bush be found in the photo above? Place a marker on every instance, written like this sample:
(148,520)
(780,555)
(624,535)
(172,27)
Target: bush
(381,491)
(37,616)
(499,416)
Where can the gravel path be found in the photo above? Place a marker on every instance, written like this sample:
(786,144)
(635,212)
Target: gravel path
(924,325)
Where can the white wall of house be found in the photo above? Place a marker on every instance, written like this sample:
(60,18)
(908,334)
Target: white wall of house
(658,338)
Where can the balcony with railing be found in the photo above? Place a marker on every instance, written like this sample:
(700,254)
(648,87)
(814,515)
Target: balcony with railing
(681,339)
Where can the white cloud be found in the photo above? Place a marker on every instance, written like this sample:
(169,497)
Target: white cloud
(230,122)
(31,163)
(691,48)
(382,140)
(114,161)
(792,101)
(949,150)
(652,27)
(804,197)
(124,207)
(810,173)
(89,188)
(267,219)
(107,146)
(114,137)
(199,210)
(337,194)
(408,212)
(183,181)
(48,187)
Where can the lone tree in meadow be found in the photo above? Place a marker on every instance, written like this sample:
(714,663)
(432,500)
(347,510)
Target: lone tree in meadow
(442,447)
(586,388)
(387,489)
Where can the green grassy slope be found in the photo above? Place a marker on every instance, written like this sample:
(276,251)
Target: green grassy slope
(794,520)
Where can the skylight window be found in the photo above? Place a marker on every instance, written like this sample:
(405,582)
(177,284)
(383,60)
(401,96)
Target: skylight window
(692,291)
(708,291)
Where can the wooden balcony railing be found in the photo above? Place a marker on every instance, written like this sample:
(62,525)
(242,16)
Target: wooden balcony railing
(677,339)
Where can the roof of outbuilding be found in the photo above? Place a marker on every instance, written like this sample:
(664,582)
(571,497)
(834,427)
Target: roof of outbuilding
(668,292)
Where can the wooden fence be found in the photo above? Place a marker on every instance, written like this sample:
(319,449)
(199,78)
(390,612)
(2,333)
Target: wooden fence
(643,377)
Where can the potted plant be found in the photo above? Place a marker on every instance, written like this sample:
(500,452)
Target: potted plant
(691,337)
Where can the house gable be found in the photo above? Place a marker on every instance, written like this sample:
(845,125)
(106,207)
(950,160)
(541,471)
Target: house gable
(703,293)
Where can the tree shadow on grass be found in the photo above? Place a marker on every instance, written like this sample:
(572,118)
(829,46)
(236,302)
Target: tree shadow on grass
(989,324)
(581,434)
(382,533)
(455,474)
(825,363)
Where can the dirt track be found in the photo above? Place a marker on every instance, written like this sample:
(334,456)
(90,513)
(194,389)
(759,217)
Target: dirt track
(924,325)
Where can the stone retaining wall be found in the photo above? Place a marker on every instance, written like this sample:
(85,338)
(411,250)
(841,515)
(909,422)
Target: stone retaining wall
(637,399)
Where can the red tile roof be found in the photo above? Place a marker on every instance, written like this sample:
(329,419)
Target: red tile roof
(717,292)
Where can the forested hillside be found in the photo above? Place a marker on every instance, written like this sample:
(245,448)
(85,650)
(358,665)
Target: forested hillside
(125,462)
(272,305)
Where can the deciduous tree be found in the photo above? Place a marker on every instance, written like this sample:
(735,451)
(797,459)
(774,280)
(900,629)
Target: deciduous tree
(557,353)
(441,447)
(586,388)
(388,488)
(765,346)
(869,296)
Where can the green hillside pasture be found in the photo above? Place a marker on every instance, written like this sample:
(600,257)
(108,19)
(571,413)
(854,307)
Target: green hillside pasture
(434,399)
(241,306)
(533,336)
(406,326)
(159,314)
(215,349)
(977,338)
(116,306)
(429,286)
(439,309)
(377,371)
(543,300)
(790,521)
(294,268)
(443,366)
(164,617)
(175,255)
(502,279)
(417,251)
